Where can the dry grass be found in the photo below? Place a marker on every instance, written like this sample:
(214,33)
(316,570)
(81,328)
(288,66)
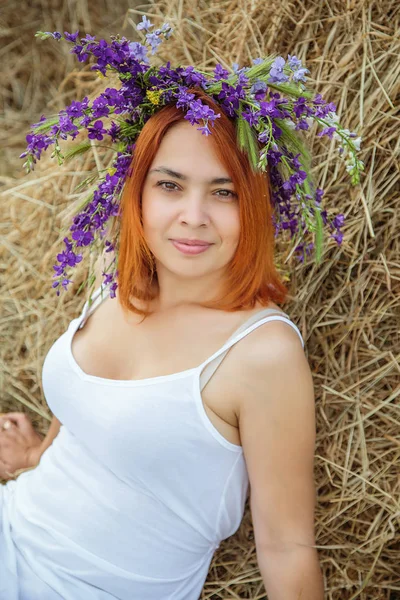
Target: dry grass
(348,308)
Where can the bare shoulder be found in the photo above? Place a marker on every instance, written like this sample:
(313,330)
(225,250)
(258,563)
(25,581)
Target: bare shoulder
(270,351)
(274,340)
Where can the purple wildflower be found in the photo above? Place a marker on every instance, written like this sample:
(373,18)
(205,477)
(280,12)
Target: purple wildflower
(338,221)
(154,40)
(36,144)
(204,130)
(87,119)
(295,179)
(318,99)
(56,35)
(294,62)
(299,75)
(301,108)
(88,39)
(250,116)
(338,237)
(144,24)
(329,131)
(138,52)
(259,89)
(276,131)
(76,109)
(270,110)
(183,97)
(274,157)
(191,77)
(302,124)
(65,127)
(79,50)
(230,96)
(40,122)
(220,73)
(298,70)
(97,131)
(114,131)
(71,37)
(264,136)
(198,111)
(276,72)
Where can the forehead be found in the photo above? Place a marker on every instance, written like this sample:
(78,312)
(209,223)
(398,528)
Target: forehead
(186,151)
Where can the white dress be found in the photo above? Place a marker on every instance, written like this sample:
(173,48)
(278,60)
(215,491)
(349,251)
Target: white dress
(136,492)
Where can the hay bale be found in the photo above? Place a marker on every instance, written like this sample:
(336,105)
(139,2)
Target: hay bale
(348,308)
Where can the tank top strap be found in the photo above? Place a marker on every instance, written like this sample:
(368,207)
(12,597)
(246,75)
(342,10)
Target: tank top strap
(97,297)
(209,366)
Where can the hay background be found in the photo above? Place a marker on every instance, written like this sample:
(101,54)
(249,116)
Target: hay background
(348,308)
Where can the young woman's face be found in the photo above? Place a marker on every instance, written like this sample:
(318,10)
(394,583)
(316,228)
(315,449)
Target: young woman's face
(187,204)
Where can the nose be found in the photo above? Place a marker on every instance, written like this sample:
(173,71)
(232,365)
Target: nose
(194,211)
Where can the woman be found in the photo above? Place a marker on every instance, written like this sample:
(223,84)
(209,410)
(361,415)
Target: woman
(156,439)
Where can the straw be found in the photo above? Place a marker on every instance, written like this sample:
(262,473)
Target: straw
(347,309)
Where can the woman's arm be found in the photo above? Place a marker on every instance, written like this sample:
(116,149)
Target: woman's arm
(291,574)
(36,453)
(277,431)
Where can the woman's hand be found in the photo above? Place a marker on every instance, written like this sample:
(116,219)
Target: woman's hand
(19,444)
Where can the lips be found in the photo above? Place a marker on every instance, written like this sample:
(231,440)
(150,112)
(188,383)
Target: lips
(190,249)
(192,242)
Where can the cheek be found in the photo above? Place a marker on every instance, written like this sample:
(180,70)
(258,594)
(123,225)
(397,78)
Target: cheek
(157,223)
(152,213)
(231,227)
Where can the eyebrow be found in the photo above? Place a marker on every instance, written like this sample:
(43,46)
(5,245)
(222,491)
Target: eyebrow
(181,176)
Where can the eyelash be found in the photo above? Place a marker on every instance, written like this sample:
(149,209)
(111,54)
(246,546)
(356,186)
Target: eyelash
(160,183)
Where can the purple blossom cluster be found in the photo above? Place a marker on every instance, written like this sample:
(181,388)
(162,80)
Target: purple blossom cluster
(269,101)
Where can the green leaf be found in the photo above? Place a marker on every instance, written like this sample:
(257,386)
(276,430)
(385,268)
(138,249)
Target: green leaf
(263,68)
(46,125)
(293,142)
(85,182)
(291,89)
(319,236)
(85,202)
(78,149)
(241,133)
(43,35)
(81,288)
(252,147)
(247,140)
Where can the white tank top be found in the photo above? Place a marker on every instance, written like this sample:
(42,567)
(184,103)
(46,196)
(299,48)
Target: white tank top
(138,489)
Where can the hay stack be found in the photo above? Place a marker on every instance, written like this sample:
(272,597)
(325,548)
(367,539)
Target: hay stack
(348,308)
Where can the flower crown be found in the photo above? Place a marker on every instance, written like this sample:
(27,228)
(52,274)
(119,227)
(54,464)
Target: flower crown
(269,102)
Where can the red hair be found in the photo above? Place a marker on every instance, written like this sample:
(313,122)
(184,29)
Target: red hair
(251,274)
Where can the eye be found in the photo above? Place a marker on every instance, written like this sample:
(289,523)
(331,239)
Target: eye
(161,183)
(229,193)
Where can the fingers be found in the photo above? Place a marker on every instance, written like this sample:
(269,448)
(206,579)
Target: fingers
(18,419)
(6,423)
(13,415)
(10,423)
(9,416)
